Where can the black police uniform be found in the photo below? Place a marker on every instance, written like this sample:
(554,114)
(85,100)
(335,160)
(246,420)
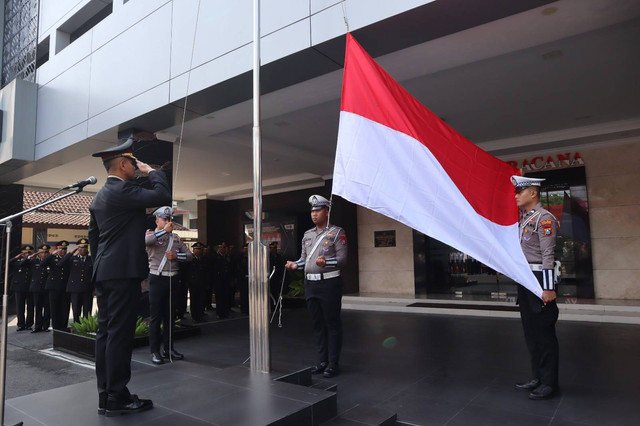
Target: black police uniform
(20,280)
(56,286)
(116,237)
(79,284)
(195,279)
(39,273)
(222,284)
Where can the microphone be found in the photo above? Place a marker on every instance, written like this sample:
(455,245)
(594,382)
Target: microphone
(91,180)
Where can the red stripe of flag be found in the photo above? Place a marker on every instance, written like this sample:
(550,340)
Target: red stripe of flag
(480,177)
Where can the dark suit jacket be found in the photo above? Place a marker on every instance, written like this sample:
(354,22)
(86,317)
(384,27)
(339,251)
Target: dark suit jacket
(21,276)
(117,226)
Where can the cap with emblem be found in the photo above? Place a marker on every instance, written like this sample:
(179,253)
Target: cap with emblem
(318,202)
(63,244)
(123,150)
(523,182)
(164,212)
(27,248)
(197,245)
(43,248)
(82,242)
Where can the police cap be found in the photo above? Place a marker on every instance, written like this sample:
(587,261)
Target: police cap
(165,212)
(63,244)
(82,242)
(318,202)
(43,248)
(27,248)
(122,150)
(524,182)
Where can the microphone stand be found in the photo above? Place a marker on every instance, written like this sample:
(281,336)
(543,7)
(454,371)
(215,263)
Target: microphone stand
(5,298)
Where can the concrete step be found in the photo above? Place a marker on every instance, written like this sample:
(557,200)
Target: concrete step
(601,313)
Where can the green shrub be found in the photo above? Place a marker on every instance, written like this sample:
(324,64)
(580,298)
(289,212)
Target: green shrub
(88,327)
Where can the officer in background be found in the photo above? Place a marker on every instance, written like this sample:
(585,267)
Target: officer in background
(242,272)
(20,280)
(57,287)
(39,272)
(164,249)
(209,261)
(79,284)
(276,265)
(195,277)
(116,237)
(324,252)
(538,230)
(222,281)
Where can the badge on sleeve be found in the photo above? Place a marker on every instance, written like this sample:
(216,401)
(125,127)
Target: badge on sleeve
(547,232)
(343,240)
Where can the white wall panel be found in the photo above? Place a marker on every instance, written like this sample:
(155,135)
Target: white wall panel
(183,27)
(52,11)
(63,102)
(74,53)
(61,140)
(144,102)
(327,24)
(223,26)
(361,13)
(285,41)
(318,5)
(132,63)
(124,18)
(213,72)
(276,14)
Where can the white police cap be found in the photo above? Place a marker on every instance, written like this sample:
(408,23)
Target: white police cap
(165,212)
(318,202)
(523,182)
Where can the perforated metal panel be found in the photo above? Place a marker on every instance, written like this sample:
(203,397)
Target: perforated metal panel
(20,40)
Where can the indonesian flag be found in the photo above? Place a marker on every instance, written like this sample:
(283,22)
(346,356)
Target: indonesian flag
(396,157)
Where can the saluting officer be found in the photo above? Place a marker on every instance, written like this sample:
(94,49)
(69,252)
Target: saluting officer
(79,284)
(116,237)
(56,285)
(538,230)
(39,273)
(20,280)
(164,249)
(195,277)
(324,252)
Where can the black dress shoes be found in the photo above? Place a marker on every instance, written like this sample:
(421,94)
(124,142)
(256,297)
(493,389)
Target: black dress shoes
(542,392)
(135,405)
(156,358)
(23,328)
(36,330)
(175,355)
(528,386)
(331,371)
(102,402)
(319,368)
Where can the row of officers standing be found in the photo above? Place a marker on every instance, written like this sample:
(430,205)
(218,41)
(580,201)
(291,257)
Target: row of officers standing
(49,282)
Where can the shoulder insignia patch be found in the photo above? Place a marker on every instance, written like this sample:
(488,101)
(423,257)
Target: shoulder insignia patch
(547,232)
(343,239)
(546,223)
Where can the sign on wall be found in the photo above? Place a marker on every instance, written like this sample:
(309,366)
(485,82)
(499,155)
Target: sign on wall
(549,162)
(384,238)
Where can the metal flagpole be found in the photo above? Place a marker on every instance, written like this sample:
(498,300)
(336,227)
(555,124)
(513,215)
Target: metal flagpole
(258,281)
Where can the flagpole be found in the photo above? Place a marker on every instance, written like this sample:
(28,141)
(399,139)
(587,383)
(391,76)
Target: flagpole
(258,282)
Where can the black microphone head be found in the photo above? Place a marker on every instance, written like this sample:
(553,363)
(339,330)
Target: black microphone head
(92,180)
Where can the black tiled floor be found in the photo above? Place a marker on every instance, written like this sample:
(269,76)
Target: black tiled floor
(442,370)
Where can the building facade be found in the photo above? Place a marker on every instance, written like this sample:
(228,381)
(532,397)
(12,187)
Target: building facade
(551,86)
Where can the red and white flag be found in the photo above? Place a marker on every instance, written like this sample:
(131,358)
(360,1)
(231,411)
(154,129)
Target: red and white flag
(396,157)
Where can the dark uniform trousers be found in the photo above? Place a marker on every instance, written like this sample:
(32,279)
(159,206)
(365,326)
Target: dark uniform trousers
(539,324)
(117,303)
(159,297)
(59,303)
(41,305)
(324,301)
(23,297)
(82,304)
